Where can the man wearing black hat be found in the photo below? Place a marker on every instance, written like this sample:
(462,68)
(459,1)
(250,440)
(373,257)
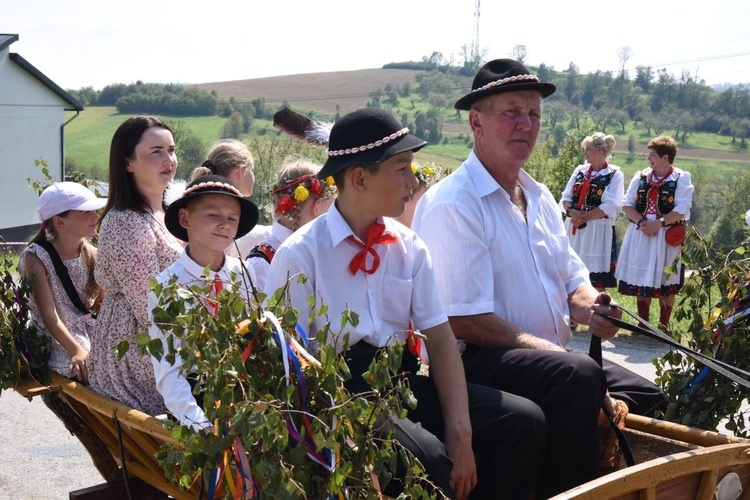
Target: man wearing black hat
(509,280)
(356,257)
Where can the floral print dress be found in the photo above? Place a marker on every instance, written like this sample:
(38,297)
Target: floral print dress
(133,248)
(79,324)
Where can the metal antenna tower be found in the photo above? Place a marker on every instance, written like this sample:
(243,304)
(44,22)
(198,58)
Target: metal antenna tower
(475,41)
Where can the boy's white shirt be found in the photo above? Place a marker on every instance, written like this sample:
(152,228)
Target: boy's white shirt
(402,288)
(170,379)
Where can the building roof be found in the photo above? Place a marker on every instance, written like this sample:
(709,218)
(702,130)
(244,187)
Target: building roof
(5,41)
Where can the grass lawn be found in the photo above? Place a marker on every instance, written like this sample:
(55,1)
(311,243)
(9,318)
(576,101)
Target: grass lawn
(88,136)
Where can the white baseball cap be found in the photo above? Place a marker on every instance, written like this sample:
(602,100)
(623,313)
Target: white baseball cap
(63,196)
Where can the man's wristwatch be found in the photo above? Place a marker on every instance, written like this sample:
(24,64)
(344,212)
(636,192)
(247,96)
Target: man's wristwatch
(663,222)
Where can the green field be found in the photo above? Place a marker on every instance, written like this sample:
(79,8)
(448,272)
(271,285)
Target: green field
(88,136)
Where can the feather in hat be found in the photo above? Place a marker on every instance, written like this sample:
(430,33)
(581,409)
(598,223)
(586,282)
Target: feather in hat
(301,127)
(174,191)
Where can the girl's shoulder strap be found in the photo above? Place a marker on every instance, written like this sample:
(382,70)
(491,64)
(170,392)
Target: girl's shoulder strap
(62,272)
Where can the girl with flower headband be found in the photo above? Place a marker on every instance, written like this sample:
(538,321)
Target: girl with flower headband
(427,175)
(298,198)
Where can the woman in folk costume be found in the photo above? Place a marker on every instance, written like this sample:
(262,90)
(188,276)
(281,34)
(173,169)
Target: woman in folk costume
(657,203)
(591,200)
(298,198)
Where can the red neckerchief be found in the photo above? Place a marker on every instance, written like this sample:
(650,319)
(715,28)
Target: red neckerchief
(653,190)
(376,235)
(584,188)
(216,287)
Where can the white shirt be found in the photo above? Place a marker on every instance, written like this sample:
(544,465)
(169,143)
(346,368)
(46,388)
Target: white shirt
(279,234)
(170,379)
(402,288)
(488,259)
(612,196)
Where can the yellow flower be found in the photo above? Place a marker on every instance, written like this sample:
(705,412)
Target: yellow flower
(428,171)
(414,168)
(301,193)
(330,181)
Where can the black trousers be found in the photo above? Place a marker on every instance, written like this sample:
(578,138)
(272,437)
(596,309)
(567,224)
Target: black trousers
(642,396)
(569,387)
(509,432)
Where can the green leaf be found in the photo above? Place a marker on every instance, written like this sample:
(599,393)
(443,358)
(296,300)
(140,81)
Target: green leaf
(122,348)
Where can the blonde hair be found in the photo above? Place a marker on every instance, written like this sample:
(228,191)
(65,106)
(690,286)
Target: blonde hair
(223,158)
(93,294)
(599,140)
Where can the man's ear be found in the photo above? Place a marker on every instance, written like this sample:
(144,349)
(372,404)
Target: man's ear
(182,217)
(475,121)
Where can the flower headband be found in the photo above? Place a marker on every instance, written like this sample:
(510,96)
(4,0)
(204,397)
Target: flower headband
(298,190)
(427,174)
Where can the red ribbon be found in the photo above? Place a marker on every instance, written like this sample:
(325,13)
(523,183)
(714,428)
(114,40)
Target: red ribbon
(582,191)
(653,190)
(216,287)
(414,343)
(375,235)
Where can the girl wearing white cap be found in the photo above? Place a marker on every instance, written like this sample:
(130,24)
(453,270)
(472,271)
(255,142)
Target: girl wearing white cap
(68,214)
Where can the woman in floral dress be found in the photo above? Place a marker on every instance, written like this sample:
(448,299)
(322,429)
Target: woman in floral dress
(134,246)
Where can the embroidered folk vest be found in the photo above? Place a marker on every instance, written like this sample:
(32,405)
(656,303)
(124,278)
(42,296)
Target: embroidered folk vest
(665,201)
(598,185)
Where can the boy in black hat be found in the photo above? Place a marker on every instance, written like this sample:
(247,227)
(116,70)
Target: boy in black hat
(357,258)
(210,214)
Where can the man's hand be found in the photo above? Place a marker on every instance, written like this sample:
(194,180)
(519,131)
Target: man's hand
(599,325)
(464,473)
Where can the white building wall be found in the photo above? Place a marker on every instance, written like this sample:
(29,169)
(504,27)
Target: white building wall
(30,120)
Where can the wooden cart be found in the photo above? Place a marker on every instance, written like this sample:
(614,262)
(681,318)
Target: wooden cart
(673,462)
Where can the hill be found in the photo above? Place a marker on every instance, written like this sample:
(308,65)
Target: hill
(351,90)
(315,91)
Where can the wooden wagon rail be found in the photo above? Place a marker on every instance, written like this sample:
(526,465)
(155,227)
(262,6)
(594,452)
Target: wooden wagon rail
(699,460)
(674,462)
(125,435)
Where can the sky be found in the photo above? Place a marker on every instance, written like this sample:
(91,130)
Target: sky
(79,43)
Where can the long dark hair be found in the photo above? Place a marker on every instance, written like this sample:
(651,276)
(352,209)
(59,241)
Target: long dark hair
(123,193)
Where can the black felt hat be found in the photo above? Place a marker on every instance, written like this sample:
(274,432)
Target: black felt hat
(366,137)
(502,75)
(211,184)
